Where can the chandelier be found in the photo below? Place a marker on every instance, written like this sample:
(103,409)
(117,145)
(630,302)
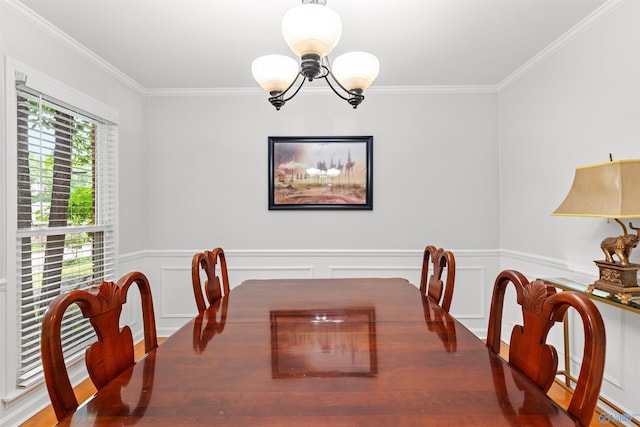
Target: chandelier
(312,30)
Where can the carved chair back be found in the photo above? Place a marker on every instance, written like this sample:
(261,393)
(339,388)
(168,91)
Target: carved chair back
(111,354)
(542,307)
(213,287)
(433,285)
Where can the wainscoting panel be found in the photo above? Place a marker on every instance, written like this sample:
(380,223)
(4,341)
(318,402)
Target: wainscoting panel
(470,295)
(177,299)
(354,271)
(169,273)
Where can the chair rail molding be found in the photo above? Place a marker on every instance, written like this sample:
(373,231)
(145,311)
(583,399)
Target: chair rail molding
(536,266)
(169,271)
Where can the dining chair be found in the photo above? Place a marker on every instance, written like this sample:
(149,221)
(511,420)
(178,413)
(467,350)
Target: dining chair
(542,307)
(433,285)
(113,351)
(207,261)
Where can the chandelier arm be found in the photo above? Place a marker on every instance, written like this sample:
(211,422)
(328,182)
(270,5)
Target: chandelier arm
(326,77)
(354,98)
(327,73)
(277,98)
(338,82)
(297,90)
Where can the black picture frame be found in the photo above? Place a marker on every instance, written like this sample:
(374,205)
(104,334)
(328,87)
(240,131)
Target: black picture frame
(314,172)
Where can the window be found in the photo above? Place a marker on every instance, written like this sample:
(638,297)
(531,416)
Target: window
(65,230)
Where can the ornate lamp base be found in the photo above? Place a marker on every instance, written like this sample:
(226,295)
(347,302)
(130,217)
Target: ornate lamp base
(620,281)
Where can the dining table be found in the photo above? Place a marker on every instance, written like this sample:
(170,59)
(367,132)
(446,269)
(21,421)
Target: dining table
(321,352)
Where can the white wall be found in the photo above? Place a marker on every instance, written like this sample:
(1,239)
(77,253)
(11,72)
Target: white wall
(573,108)
(434,166)
(32,45)
(435,181)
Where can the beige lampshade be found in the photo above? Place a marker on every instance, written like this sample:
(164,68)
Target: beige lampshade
(606,190)
(274,72)
(356,70)
(311,28)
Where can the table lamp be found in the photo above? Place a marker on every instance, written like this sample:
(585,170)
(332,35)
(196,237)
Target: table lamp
(610,190)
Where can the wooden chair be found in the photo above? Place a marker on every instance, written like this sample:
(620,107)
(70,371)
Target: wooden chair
(528,351)
(111,354)
(433,286)
(207,262)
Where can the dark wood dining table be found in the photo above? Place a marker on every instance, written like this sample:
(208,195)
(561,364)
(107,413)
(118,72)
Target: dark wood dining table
(322,352)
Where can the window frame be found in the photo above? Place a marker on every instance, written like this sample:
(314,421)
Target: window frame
(108,118)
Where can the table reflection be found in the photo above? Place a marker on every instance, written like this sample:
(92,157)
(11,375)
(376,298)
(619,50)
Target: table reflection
(323,343)
(121,410)
(207,325)
(441,323)
(516,405)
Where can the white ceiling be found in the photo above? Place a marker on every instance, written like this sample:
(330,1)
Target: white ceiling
(211,43)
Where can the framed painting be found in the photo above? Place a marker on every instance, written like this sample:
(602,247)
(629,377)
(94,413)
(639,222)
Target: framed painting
(324,343)
(321,172)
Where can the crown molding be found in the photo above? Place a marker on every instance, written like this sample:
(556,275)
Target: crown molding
(305,253)
(595,17)
(37,21)
(390,90)
(408,90)
(30,16)
(204,91)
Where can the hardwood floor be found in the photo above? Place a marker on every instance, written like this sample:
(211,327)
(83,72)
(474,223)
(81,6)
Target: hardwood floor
(84,390)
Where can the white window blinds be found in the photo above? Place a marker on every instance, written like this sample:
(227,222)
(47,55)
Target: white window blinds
(65,235)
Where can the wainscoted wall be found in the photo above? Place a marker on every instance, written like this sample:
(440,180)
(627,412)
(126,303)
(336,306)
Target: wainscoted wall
(170,275)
